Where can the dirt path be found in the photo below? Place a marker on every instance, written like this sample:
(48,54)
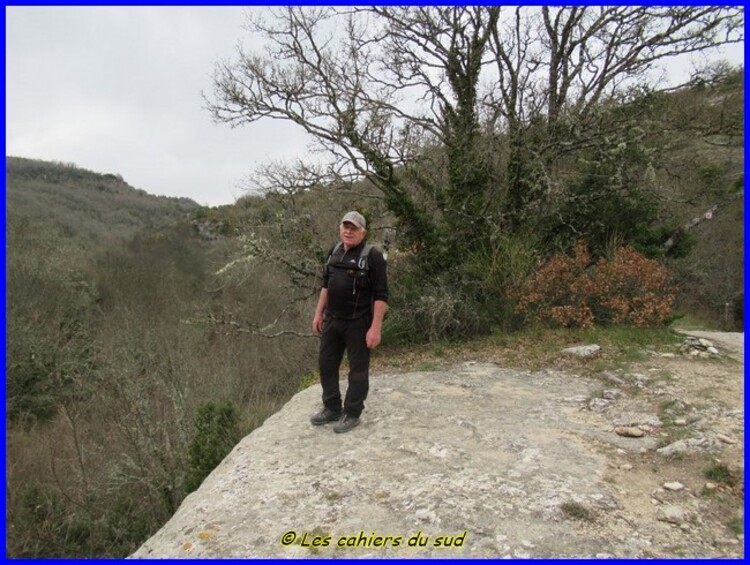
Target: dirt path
(699,405)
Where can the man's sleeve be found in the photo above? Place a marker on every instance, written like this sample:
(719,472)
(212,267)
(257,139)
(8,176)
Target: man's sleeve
(379,276)
(325,267)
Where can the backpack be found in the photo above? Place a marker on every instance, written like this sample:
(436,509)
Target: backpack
(362,264)
(362,275)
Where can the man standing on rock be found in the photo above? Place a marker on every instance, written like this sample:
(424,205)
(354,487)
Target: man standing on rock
(349,316)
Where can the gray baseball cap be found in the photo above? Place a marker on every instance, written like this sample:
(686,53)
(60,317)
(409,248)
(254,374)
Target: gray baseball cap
(355,218)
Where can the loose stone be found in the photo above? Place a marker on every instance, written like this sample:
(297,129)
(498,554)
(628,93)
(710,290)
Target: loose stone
(671,514)
(629,432)
(674,486)
(583,350)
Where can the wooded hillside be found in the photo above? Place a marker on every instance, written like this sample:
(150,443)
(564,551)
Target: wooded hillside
(120,396)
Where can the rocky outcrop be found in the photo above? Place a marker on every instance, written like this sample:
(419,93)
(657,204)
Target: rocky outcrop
(484,461)
(473,462)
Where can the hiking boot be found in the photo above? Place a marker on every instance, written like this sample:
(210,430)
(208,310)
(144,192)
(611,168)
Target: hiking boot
(346,423)
(324,416)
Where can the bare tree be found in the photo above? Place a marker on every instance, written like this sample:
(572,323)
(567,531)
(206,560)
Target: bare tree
(392,82)
(558,65)
(397,96)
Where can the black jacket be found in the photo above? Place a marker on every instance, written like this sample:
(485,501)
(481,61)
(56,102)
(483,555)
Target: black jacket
(351,290)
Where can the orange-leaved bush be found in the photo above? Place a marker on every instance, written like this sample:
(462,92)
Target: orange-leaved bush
(572,291)
(631,289)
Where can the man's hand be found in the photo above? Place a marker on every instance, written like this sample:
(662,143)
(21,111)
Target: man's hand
(317,324)
(373,334)
(373,337)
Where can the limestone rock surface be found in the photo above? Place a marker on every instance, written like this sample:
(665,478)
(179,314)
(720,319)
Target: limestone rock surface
(478,457)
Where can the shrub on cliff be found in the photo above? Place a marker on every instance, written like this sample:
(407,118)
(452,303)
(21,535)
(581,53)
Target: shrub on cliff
(216,433)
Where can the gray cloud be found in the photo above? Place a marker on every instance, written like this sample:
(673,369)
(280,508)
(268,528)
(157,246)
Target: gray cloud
(118,89)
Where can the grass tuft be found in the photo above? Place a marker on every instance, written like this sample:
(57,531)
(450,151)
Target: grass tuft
(537,348)
(577,511)
(720,473)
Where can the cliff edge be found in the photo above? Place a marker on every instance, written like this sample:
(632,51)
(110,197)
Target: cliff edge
(475,461)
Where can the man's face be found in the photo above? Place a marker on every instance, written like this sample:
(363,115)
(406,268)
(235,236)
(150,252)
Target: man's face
(351,235)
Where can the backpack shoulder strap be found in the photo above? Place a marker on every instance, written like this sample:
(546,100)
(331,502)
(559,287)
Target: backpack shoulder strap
(364,257)
(333,252)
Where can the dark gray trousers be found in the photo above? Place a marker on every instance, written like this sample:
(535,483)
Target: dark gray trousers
(341,335)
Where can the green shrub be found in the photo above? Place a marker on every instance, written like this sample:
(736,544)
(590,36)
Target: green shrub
(467,300)
(610,195)
(429,308)
(216,433)
(499,271)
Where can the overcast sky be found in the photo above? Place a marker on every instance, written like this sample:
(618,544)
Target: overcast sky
(118,90)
